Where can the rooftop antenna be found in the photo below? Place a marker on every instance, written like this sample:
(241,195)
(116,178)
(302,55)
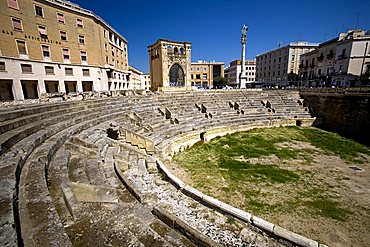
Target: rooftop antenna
(357,18)
(280,43)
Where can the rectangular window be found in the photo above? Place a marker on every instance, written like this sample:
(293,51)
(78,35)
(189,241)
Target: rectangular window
(63,35)
(83,56)
(60,18)
(204,76)
(39,11)
(2,66)
(85,72)
(45,50)
(49,70)
(42,32)
(81,39)
(13,4)
(66,55)
(26,68)
(69,71)
(21,45)
(197,76)
(17,24)
(79,23)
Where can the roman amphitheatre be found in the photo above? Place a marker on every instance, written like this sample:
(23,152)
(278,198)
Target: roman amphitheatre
(190,168)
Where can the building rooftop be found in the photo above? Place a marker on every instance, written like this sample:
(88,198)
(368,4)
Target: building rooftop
(207,62)
(292,44)
(169,41)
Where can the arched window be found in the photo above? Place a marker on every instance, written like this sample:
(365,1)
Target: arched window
(177,76)
(182,52)
(176,50)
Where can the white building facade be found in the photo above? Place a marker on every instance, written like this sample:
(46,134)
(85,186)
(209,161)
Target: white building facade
(232,73)
(340,62)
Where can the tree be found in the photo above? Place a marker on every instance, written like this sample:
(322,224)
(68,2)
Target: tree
(219,81)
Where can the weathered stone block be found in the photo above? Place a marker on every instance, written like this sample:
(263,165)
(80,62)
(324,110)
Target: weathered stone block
(294,237)
(92,193)
(263,224)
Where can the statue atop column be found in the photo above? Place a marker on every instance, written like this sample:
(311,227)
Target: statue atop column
(244,34)
(243,75)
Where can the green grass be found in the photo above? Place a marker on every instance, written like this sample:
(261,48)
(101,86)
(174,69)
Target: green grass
(333,143)
(223,166)
(328,208)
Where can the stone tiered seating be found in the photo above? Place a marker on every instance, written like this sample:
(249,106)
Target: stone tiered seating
(94,197)
(51,151)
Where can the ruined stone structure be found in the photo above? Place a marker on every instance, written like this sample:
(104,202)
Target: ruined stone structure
(90,172)
(170,63)
(344,111)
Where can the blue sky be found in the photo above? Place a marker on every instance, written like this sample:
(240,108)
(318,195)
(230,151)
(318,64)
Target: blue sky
(214,26)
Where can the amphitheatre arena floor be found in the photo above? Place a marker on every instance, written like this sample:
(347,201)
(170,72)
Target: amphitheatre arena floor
(309,181)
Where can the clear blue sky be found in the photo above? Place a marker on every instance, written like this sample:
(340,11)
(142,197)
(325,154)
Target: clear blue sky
(214,26)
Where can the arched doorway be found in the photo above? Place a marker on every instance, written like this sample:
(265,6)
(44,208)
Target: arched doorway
(177,77)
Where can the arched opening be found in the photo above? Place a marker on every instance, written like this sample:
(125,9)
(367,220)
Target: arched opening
(176,50)
(182,52)
(177,76)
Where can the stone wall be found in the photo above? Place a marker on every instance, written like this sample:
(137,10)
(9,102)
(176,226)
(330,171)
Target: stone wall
(347,113)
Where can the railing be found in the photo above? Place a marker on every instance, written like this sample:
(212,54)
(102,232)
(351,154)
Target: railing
(363,89)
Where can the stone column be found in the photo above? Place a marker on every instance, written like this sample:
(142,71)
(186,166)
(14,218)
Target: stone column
(242,76)
(79,86)
(17,90)
(41,87)
(61,86)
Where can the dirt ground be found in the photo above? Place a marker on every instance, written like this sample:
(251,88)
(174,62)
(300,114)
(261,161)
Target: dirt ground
(329,203)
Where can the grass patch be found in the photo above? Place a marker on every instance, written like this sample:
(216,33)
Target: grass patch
(224,166)
(332,143)
(328,208)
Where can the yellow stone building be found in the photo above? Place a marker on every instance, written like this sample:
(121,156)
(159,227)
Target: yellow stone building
(170,65)
(204,72)
(52,46)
